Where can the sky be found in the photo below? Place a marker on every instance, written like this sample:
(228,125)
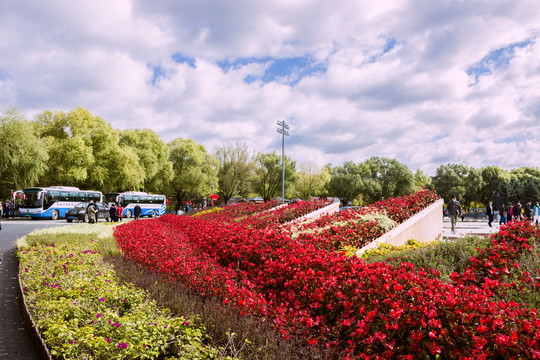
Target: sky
(425,82)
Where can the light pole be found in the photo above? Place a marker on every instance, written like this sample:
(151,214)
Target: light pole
(212,194)
(283,133)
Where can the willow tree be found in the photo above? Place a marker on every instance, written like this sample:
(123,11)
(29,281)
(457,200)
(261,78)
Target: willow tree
(85,151)
(194,170)
(23,155)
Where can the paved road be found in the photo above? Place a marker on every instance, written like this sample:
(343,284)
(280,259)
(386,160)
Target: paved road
(14,343)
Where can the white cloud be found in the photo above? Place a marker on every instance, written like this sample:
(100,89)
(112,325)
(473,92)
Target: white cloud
(392,82)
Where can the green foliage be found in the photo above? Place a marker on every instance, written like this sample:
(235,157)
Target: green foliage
(153,156)
(193,170)
(492,176)
(421,180)
(311,181)
(446,256)
(268,175)
(451,180)
(84,151)
(389,178)
(83,312)
(346,182)
(23,156)
(235,169)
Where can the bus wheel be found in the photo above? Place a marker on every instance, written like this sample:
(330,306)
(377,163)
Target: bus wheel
(128,214)
(54,215)
(153,213)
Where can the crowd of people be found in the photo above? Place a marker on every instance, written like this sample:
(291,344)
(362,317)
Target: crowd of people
(507,212)
(516,212)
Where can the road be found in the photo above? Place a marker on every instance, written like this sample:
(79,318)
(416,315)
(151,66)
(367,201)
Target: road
(14,342)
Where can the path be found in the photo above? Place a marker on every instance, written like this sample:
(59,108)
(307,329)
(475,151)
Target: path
(14,342)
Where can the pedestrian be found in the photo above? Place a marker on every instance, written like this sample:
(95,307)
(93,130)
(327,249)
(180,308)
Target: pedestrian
(527,211)
(489,213)
(536,214)
(454,209)
(516,211)
(112,212)
(119,212)
(1,209)
(91,213)
(508,209)
(137,211)
(502,213)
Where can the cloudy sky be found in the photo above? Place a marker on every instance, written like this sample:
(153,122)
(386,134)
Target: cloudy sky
(425,82)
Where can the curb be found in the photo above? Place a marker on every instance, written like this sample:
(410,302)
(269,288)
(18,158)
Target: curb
(30,326)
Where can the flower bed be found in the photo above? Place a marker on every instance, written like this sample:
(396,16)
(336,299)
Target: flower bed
(333,301)
(83,312)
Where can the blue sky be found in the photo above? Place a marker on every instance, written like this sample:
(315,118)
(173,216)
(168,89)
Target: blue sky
(415,80)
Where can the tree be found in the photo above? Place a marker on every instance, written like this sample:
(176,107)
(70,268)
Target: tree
(311,181)
(345,182)
(492,176)
(511,190)
(153,157)
(388,178)
(473,185)
(235,169)
(84,151)
(268,174)
(531,190)
(23,156)
(193,170)
(449,180)
(421,180)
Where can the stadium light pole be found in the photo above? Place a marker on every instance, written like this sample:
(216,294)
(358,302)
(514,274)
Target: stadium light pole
(283,133)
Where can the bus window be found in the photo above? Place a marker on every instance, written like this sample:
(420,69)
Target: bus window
(94,197)
(74,196)
(64,196)
(32,199)
(83,197)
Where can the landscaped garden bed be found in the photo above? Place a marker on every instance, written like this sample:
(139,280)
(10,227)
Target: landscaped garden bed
(300,293)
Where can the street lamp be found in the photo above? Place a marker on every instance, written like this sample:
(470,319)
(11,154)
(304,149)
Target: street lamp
(283,133)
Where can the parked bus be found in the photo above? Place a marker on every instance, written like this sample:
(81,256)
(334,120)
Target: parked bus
(53,202)
(151,205)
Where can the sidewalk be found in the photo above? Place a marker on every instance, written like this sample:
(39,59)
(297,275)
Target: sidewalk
(466,227)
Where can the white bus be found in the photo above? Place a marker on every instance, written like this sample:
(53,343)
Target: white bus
(53,202)
(151,205)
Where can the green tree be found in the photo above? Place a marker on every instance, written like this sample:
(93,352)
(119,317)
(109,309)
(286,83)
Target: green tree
(268,174)
(236,167)
(23,155)
(85,151)
(531,190)
(153,156)
(312,180)
(346,182)
(388,178)
(473,185)
(193,170)
(511,190)
(492,176)
(421,180)
(449,180)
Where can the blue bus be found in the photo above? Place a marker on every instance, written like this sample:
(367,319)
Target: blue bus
(53,202)
(151,205)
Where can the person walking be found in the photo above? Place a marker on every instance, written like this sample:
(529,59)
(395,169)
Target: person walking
(535,214)
(527,211)
(502,212)
(137,211)
(508,209)
(516,211)
(119,212)
(490,213)
(91,213)
(454,209)
(112,213)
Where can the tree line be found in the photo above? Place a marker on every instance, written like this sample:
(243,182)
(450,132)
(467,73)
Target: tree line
(79,149)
